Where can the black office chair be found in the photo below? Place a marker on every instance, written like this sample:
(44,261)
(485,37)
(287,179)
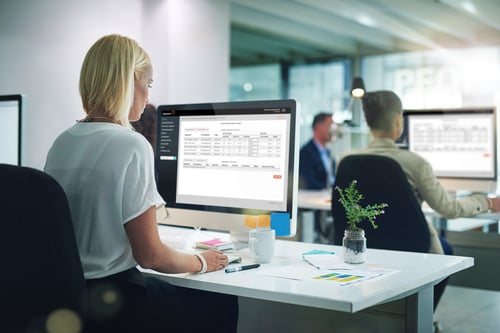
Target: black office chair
(380,179)
(41,268)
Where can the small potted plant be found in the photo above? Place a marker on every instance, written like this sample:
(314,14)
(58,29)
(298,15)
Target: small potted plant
(354,241)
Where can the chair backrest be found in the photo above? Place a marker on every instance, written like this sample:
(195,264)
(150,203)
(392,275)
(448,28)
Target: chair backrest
(41,267)
(381,179)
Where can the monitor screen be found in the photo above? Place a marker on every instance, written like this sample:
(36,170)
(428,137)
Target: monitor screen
(460,144)
(10,129)
(221,165)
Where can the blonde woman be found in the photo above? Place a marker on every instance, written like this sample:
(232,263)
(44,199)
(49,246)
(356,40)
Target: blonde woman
(107,172)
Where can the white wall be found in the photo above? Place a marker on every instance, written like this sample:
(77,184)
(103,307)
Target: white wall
(43,43)
(189,49)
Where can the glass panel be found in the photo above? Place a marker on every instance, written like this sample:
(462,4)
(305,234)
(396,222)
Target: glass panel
(439,78)
(318,87)
(255,82)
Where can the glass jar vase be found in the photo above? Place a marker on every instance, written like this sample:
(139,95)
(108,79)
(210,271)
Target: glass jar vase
(354,246)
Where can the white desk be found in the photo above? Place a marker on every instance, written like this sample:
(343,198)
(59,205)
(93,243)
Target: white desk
(462,224)
(399,302)
(316,201)
(321,200)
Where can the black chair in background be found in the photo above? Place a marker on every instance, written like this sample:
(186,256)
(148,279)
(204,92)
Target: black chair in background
(380,179)
(41,268)
(403,227)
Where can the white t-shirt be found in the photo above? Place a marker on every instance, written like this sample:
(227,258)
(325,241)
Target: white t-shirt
(107,172)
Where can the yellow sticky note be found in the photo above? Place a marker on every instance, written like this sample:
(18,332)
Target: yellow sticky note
(264,221)
(251,221)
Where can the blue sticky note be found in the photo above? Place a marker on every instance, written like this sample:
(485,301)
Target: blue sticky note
(280,222)
(314,251)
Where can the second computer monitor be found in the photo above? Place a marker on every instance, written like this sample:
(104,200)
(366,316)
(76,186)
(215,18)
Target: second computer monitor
(221,165)
(460,144)
(11,107)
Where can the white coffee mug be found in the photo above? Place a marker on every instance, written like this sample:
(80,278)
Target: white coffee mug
(261,244)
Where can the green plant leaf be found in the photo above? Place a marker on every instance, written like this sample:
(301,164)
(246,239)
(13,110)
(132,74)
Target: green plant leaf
(350,199)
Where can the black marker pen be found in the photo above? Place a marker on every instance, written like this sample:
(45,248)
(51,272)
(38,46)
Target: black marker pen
(241,268)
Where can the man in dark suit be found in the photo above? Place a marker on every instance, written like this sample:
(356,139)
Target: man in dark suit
(316,167)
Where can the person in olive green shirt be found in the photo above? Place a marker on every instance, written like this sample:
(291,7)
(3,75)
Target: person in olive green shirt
(384,115)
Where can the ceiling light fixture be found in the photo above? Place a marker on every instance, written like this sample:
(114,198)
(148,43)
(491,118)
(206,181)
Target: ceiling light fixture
(357,88)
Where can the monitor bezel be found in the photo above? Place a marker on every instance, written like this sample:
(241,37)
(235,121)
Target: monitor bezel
(191,210)
(405,144)
(19,99)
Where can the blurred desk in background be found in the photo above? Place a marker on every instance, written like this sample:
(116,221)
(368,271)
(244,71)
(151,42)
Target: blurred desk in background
(485,222)
(309,202)
(316,200)
(477,237)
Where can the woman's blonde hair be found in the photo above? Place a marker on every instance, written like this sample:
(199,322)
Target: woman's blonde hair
(107,76)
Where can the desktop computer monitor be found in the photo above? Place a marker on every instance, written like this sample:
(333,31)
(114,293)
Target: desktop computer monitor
(460,144)
(11,129)
(221,166)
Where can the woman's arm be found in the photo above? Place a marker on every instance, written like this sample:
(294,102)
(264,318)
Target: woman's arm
(151,253)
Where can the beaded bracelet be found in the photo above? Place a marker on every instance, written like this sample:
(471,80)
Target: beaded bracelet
(204,265)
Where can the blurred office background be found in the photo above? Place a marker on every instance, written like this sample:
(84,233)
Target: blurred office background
(432,53)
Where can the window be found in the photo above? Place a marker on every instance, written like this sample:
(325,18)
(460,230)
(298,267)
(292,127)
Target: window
(318,87)
(255,83)
(439,78)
